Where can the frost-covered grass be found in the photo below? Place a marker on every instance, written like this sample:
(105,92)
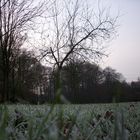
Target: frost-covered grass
(72,122)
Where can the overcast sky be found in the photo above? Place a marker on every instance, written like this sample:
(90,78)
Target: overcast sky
(125,49)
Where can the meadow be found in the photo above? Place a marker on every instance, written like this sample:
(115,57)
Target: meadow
(116,121)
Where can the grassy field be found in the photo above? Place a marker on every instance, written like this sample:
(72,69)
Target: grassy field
(72,122)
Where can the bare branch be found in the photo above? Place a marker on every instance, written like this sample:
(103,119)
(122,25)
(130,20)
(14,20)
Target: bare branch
(78,30)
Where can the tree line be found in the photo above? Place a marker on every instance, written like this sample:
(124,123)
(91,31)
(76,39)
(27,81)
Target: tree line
(81,82)
(84,82)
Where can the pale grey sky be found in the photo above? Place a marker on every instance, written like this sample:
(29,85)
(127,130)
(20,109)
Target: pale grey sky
(125,49)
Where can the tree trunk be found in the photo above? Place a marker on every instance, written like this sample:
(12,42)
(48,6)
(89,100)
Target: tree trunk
(13,85)
(6,71)
(7,87)
(5,91)
(58,87)
(3,88)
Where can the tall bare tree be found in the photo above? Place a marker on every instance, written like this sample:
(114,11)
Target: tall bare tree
(78,31)
(16,16)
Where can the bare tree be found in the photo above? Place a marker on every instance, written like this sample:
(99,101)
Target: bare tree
(76,31)
(16,16)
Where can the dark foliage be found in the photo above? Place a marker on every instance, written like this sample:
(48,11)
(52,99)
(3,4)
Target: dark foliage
(81,82)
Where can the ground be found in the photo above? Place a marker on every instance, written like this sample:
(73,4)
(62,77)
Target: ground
(74,122)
